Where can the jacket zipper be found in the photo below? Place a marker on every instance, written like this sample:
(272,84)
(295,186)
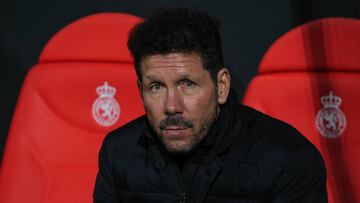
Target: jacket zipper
(180,183)
(182,197)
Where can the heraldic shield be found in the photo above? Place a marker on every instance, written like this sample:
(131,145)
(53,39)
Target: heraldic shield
(330,120)
(106,110)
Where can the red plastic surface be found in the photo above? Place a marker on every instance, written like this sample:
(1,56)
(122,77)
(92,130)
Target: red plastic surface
(52,147)
(300,68)
(317,46)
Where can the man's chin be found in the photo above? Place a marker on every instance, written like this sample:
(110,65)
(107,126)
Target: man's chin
(179,148)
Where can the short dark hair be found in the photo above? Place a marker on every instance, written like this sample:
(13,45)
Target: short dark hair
(178,30)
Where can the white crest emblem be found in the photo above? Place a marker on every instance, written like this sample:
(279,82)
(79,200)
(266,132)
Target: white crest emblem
(330,120)
(105,109)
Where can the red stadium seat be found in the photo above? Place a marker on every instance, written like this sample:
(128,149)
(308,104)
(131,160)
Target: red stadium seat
(83,86)
(310,78)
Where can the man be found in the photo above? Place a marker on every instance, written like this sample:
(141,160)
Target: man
(196,143)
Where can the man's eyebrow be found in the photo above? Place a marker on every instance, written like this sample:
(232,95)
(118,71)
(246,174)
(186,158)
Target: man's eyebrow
(182,76)
(152,77)
(185,75)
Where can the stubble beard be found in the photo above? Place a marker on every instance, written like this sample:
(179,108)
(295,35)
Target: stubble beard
(191,144)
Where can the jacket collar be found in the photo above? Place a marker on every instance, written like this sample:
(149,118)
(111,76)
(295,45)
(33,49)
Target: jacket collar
(211,151)
(222,133)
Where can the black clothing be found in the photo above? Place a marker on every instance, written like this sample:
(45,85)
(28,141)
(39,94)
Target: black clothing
(246,157)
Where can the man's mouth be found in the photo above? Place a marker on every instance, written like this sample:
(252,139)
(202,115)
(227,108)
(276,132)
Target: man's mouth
(175,128)
(175,123)
(175,131)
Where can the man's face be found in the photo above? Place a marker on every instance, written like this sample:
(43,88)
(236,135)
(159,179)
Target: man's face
(180,99)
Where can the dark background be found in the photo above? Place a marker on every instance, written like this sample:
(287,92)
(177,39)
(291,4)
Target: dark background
(249,27)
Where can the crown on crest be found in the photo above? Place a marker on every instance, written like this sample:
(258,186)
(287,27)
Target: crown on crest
(331,100)
(106,90)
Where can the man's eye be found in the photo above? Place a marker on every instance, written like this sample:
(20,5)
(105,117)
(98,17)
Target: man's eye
(155,86)
(188,83)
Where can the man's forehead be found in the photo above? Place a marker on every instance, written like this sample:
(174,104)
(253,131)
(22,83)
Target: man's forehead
(171,59)
(179,75)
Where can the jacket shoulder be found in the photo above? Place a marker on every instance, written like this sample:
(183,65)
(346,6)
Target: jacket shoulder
(126,137)
(276,141)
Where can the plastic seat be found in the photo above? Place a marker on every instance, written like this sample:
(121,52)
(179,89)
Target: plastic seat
(83,86)
(310,78)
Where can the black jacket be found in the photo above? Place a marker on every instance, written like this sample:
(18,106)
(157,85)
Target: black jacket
(246,157)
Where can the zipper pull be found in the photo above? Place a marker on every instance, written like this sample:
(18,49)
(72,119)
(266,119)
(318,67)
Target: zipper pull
(182,197)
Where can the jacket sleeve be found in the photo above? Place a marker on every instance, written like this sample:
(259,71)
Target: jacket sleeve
(304,180)
(104,186)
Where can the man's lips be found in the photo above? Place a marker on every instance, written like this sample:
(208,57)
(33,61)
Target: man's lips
(175,128)
(175,131)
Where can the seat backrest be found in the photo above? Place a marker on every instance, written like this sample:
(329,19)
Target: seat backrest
(310,78)
(83,86)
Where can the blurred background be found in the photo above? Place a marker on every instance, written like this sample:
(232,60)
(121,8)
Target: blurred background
(249,27)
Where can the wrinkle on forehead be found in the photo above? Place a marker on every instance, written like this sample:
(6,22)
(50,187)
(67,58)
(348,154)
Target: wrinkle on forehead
(182,75)
(173,60)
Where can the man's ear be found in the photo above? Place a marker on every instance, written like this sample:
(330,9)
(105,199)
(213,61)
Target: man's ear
(139,85)
(223,85)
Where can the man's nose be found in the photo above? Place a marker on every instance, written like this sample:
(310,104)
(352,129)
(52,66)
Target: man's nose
(173,102)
